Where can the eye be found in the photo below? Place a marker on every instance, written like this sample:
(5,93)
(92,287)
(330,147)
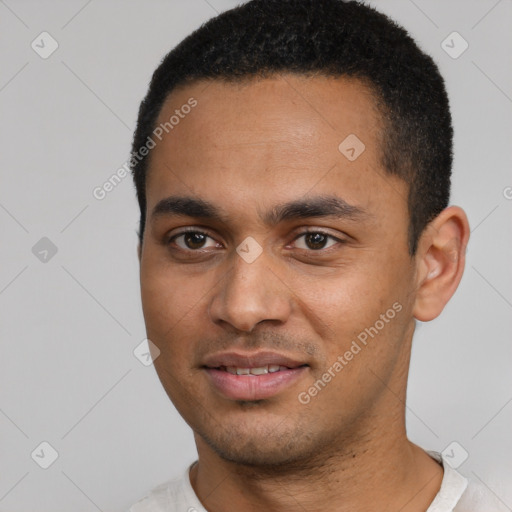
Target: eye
(193,240)
(315,240)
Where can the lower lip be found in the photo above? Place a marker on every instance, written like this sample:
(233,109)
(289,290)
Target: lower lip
(253,387)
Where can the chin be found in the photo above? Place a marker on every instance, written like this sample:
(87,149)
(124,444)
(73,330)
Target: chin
(252,454)
(267,446)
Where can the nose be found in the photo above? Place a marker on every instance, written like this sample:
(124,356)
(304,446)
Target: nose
(250,293)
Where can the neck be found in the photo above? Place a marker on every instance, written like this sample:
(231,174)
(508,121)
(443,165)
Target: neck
(382,467)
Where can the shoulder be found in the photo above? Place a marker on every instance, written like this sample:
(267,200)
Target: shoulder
(175,495)
(459,494)
(478,498)
(159,498)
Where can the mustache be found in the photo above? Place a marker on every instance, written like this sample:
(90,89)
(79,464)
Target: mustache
(263,340)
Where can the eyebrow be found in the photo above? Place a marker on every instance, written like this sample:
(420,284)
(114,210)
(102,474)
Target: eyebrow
(318,206)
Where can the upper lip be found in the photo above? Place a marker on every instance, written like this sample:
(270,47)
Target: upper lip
(250,360)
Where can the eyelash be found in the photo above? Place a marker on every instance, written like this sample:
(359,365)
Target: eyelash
(303,233)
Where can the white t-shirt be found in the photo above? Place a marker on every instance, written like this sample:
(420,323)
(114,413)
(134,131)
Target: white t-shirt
(455,495)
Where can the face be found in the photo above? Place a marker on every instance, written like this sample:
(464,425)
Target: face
(275,274)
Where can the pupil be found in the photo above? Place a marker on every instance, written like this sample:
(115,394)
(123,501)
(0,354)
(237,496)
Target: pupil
(194,240)
(316,240)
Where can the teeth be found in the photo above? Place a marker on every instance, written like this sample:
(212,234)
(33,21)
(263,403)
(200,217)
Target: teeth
(262,370)
(259,371)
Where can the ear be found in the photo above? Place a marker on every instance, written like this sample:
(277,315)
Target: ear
(440,260)
(139,251)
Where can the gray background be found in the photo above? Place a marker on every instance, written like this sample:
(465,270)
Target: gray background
(69,324)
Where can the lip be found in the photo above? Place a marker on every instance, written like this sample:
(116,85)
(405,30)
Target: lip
(252,387)
(250,360)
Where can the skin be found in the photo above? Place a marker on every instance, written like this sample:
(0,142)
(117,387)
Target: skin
(246,148)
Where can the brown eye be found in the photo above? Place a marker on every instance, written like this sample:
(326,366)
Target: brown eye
(193,240)
(315,240)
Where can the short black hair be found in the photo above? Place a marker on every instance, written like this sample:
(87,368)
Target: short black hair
(330,38)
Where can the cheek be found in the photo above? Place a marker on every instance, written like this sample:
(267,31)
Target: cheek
(341,300)
(171,305)
(170,302)
(362,351)
(363,302)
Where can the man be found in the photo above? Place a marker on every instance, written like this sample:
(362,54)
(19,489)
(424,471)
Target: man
(292,161)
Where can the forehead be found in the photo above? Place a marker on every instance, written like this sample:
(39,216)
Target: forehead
(284,135)
(305,107)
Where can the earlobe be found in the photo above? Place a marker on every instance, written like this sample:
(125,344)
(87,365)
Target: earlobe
(441,259)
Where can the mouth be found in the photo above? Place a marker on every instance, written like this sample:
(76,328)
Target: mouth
(251,377)
(260,370)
